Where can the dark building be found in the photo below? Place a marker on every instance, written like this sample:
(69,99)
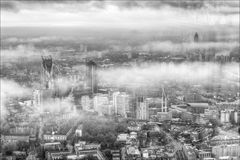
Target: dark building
(47,72)
(92,76)
(196,38)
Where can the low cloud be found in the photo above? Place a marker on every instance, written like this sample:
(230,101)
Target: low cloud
(34,40)
(168,46)
(22,51)
(64,85)
(11,89)
(155,74)
(64,105)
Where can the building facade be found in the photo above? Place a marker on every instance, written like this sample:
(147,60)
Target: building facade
(121,103)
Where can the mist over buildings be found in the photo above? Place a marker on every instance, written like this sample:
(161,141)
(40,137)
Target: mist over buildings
(10,90)
(159,73)
(124,79)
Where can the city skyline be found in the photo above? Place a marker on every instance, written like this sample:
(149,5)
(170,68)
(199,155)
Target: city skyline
(120,80)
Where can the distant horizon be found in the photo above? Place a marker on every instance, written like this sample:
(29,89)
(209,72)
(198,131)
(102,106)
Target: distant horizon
(120,14)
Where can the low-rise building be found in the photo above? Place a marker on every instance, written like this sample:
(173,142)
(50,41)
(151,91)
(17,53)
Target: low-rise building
(14,138)
(225,116)
(197,108)
(53,146)
(61,134)
(84,149)
(133,152)
(228,158)
(116,155)
(232,150)
(204,154)
(123,138)
(56,155)
(225,139)
(78,131)
(189,152)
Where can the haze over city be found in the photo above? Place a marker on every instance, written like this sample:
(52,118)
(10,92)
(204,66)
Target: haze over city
(129,79)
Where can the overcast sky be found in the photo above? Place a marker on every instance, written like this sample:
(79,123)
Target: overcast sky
(121,14)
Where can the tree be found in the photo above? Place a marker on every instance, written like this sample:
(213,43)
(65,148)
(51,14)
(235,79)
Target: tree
(176,134)
(154,134)
(118,145)
(163,139)
(142,137)
(121,127)
(8,149)
(200,136)
(215,131)
(146,127)
(100,130)
(108,154)
(215,122)
(22,146)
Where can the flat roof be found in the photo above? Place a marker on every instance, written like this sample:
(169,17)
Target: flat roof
(199,104)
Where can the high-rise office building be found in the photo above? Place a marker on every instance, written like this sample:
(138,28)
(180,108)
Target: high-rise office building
(121,103)
(47,72)
(92,76)
(225,116)
(37,98)
(142,109)
(87,103)
(102,104)
(196,37)
(164,107)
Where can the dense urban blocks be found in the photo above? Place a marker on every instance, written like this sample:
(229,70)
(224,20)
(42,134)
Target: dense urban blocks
(120,80)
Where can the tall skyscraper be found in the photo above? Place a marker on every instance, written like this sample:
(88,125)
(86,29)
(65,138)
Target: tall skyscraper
(164,107)
(92,76)
(47,72)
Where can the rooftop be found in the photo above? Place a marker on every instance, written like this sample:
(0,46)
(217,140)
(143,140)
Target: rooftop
(122,137)
(204,105)
(227,135)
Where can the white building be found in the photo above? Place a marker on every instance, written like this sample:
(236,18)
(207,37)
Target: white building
(78,131)
(204,155)
(235,115)
(225,116)
(232,150)
(102,104)
(143,110)
(87,103)
(121,103)
(211,113)
(36,98)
